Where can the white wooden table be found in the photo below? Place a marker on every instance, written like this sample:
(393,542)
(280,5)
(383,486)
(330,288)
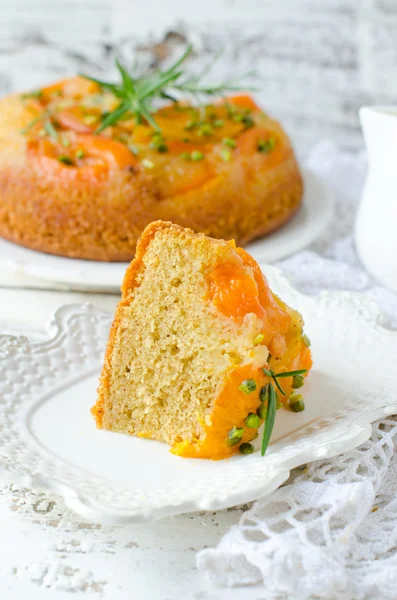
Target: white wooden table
(317,64)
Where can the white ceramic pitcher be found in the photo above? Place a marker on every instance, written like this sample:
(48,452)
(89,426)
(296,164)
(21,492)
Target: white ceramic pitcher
(376,225)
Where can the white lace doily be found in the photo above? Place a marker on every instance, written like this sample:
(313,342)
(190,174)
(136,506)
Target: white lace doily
(331,531)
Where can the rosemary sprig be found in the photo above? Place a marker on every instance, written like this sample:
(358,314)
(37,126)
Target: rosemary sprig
(50,129)
(272,403)
(136,94)
(275,376)
(270,419)
(48,126)
(32,123)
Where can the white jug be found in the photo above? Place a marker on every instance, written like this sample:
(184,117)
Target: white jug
(376,225)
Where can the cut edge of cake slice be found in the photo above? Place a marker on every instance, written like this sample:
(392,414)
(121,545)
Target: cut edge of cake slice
(196,324)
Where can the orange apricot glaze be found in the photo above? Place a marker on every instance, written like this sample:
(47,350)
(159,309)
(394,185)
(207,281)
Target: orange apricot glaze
(191,175)
(77,87)
(243,101)
(73,118)
(247,145)
(175,121)
(235,294)
(99,155)
(287,349)
(175,174)
(230,409)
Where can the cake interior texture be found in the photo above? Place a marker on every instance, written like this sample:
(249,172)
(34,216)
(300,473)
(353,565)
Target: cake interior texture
(173,349)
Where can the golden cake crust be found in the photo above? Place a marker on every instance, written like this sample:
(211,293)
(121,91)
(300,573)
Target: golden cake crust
(65,210)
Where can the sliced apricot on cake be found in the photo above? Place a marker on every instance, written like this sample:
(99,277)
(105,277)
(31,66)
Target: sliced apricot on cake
(197,342)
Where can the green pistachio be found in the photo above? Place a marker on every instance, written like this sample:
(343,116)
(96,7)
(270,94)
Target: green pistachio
(264,393)
(252,421)
(247,386)
(158,143)
(90,119)
(190,125)
(234,436)
(66,160)
(298,381)
(296,402)
(266,145)
(248,122)
(262,412)
(246,448)
(226,155)
(159,146)
(197,155)
(205,129)
(227,141)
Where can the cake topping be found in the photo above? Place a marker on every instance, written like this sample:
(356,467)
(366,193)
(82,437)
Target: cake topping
(275,376)
(130,113)
(296,402)
(247,386)
(136,94)
(297,381)
(262,411)
(268,396)
(264,393)
(252,421)
(269,421)
(235,436)
(266,145)
(246,448)
(66,160)
(229,142)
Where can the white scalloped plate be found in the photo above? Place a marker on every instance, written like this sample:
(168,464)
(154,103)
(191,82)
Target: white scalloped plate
(48,438)
(307,225)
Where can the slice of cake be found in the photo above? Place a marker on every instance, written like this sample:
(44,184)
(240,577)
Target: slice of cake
(197,341)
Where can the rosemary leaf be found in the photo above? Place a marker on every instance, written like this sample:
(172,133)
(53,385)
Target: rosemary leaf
(291,373)
(50,129)
(270,419)
(114,116)
(278,385)
(32,123)
(111,87)
(136,93)
(128,82)
(149,118)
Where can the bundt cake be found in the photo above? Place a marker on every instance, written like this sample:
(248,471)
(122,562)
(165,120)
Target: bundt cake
(71,185)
